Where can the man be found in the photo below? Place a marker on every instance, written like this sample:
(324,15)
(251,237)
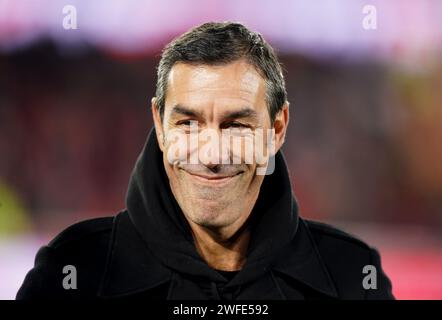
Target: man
(201,222)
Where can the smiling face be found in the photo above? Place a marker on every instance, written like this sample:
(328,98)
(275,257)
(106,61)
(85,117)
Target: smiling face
(230,96)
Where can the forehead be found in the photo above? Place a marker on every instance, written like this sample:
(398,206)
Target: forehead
(236,84)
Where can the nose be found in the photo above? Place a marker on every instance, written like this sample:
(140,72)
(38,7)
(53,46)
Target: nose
(210,151)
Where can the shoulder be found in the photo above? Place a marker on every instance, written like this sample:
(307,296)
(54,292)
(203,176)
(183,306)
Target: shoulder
(83,231)
(326,235)
(83,247)
(339,248)
(346,258)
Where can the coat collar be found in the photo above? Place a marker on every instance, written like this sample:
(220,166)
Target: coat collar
(131,268)
(303,262)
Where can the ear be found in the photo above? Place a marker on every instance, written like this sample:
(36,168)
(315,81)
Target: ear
(158,123)
(280,125)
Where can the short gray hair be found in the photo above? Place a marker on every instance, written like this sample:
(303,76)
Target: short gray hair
(216,43)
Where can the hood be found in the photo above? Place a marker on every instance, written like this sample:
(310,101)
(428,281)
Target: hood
(159,220)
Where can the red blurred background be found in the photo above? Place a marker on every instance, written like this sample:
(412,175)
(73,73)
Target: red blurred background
(364,141)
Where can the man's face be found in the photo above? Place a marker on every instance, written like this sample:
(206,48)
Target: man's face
(213,191)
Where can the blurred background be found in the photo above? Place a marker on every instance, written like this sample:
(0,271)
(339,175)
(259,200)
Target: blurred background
(364,143)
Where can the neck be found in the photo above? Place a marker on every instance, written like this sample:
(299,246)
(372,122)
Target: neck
(224,248)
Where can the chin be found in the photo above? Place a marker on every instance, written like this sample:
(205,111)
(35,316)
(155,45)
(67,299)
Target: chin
(210,218)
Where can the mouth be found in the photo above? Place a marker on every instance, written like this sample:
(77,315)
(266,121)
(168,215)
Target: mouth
(212,179)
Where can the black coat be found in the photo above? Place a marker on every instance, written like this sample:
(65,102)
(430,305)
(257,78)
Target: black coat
(147,250)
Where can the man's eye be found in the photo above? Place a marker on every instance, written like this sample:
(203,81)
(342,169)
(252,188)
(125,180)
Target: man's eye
(185,123)
(236,125)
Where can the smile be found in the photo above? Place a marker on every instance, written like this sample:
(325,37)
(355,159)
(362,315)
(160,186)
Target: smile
(212,179)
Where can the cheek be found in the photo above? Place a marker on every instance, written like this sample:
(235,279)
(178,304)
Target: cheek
(264,148)
(252,149)
(172,173)
(239,149)
(176,147)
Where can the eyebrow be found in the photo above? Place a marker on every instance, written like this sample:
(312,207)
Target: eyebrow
(185,111)
(243,113)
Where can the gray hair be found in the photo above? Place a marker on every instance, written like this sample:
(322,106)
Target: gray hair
(215,43)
